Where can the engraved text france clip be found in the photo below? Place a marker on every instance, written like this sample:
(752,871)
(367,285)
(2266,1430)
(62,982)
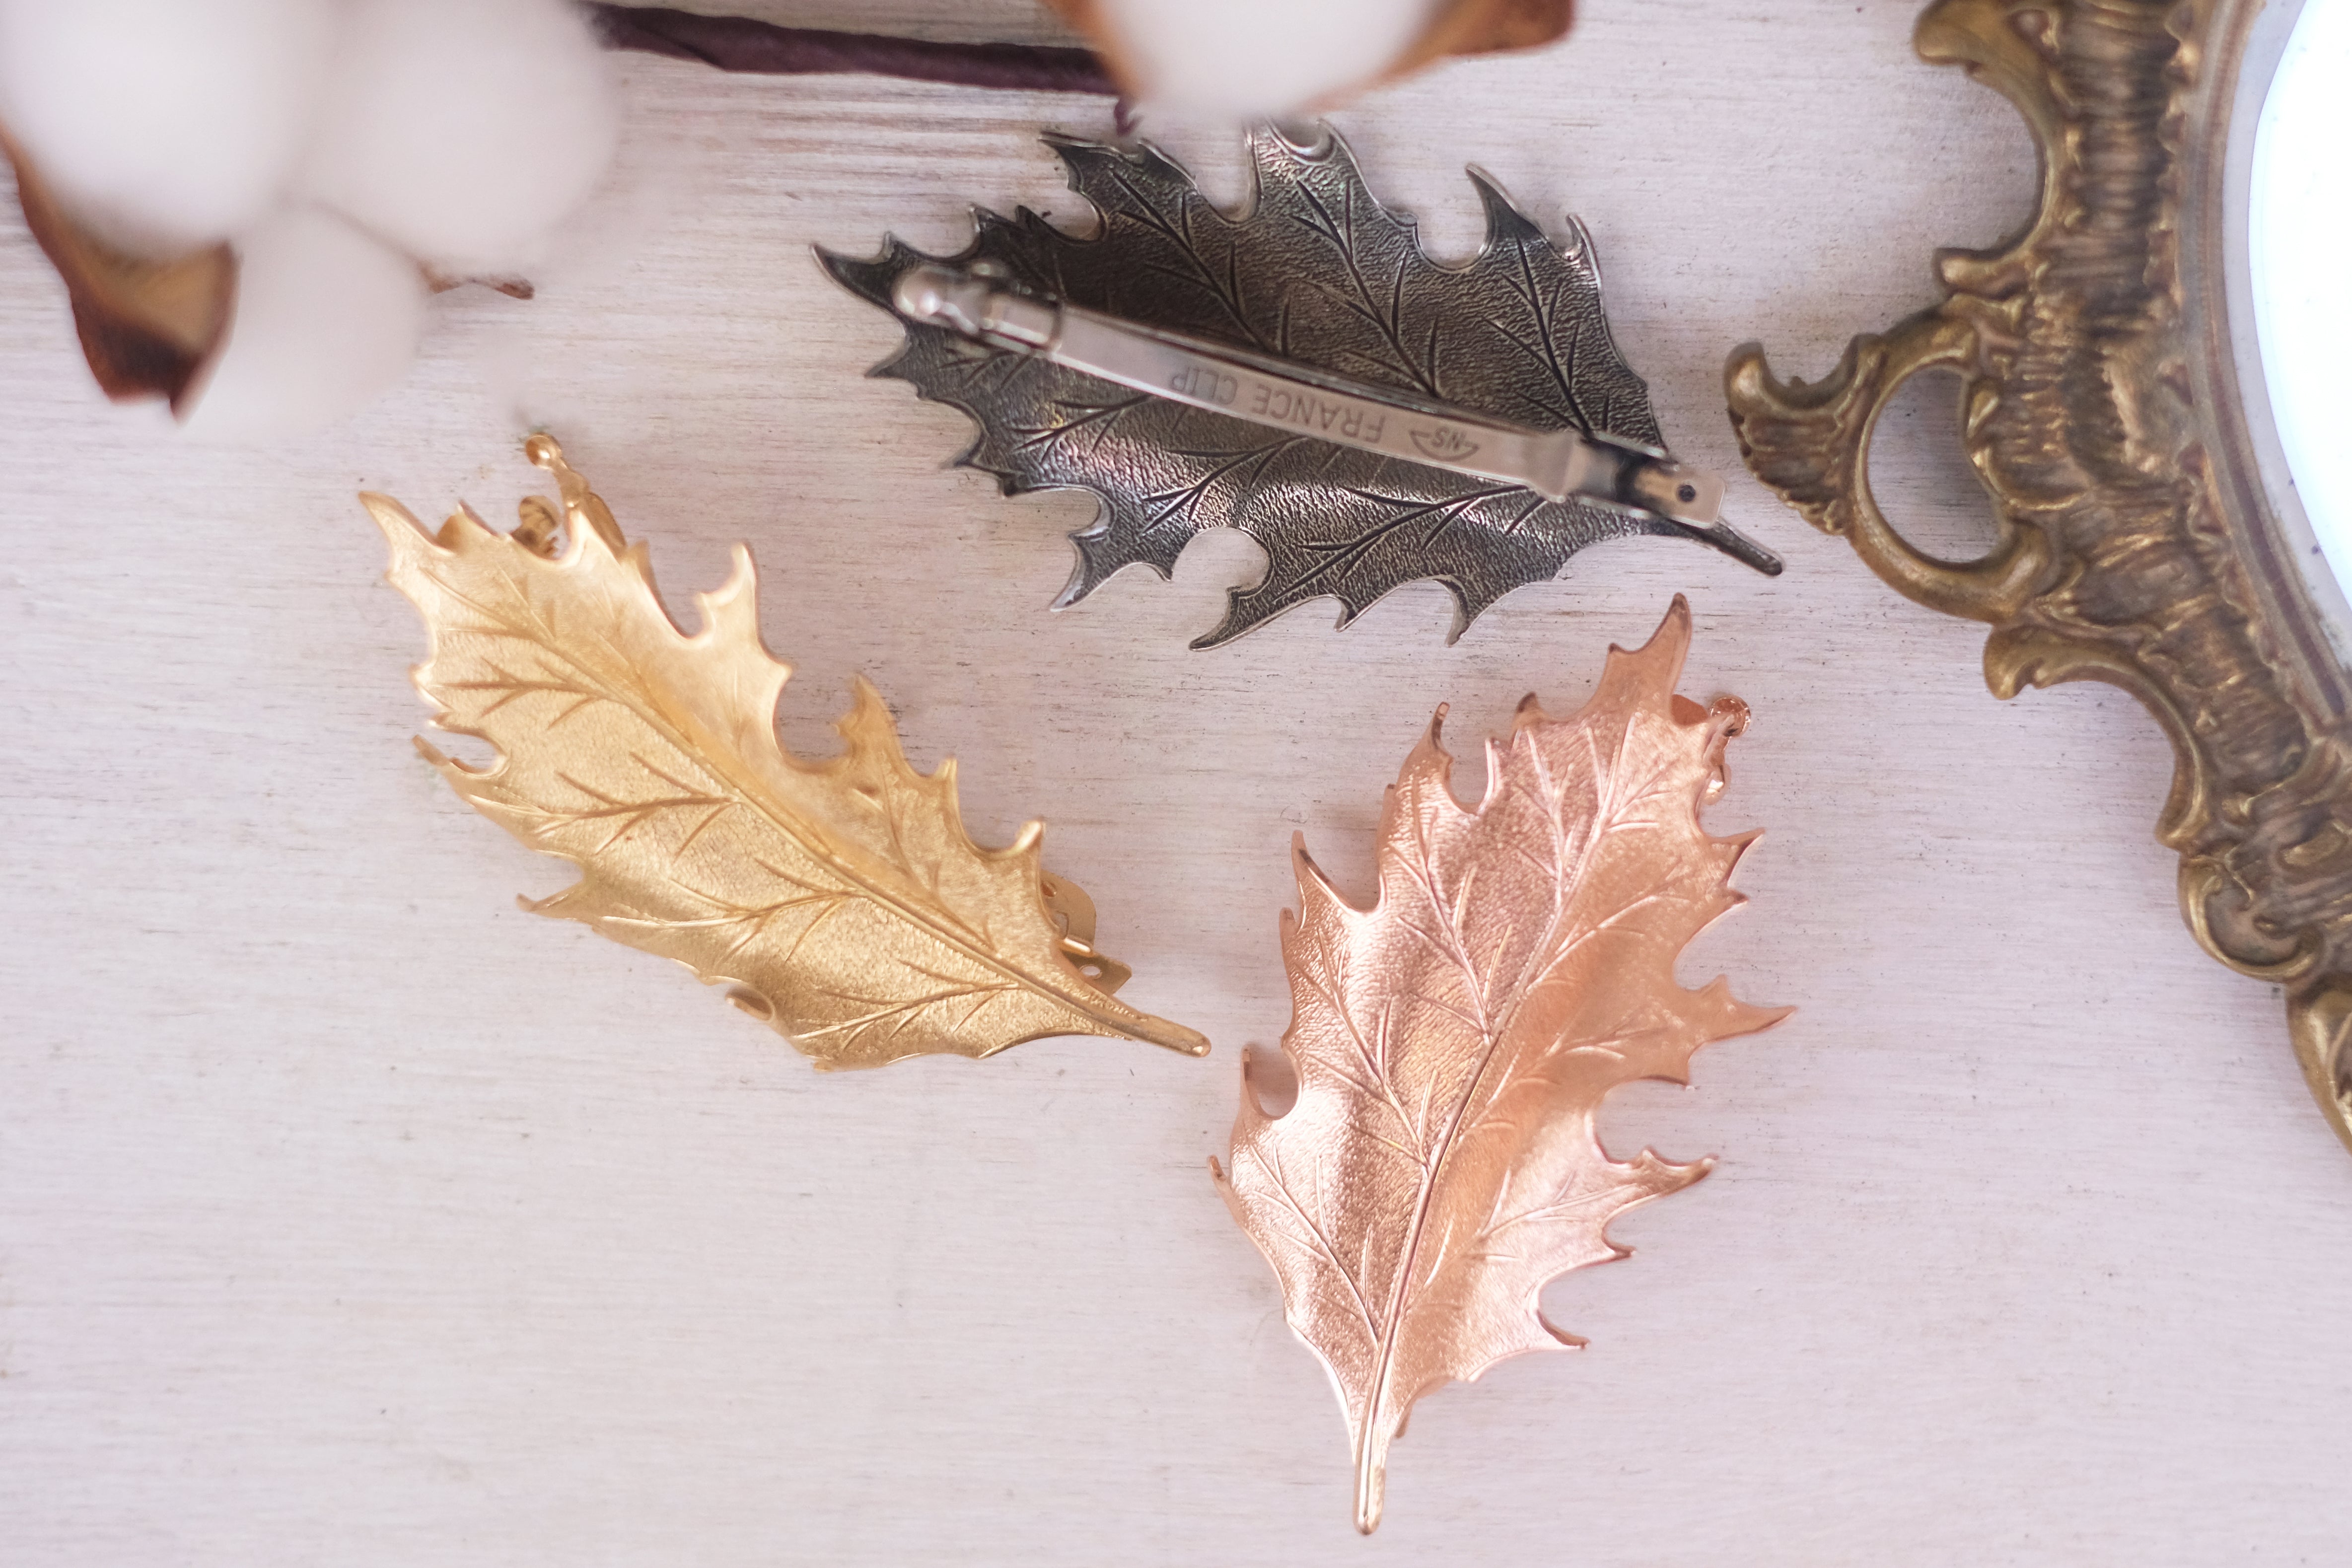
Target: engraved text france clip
(1301,371)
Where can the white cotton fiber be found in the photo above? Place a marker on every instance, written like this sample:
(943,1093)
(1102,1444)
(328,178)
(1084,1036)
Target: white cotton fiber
(1244,58)
(163,125)
(326,318)
(463,130)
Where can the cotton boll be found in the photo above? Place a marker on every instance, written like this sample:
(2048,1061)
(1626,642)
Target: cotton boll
(463,130)
(1247,57)
(326,318)
(163,125)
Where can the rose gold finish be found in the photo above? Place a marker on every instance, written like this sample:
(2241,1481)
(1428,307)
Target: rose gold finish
(1454,1042)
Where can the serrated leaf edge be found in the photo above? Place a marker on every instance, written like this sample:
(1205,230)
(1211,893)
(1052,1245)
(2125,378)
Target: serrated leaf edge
(731,610)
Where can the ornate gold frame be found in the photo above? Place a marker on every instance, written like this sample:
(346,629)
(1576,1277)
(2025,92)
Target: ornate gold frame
(2102,407)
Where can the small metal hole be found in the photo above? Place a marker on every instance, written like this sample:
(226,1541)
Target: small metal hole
(1686,494)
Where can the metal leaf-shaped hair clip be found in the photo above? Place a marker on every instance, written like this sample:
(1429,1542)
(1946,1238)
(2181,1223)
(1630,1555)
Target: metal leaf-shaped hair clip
(1453,1043)
(1300,371)
(841,900)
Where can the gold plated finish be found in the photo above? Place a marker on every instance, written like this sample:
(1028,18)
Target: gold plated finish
(2100,406)
(841,902)
(1454,1043)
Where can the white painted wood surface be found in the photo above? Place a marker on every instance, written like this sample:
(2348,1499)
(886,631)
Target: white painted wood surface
(349,1216)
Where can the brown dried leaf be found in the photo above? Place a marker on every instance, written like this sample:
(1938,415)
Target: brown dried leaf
(508,284)
(1460,27)
(147,327)
(1486,27)
(1453,1043)
(842,900)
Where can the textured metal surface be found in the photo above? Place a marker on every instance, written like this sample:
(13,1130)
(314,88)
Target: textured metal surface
(1314,272)
(1558,465)
(841,902)
(1453,1044)
(2135,542)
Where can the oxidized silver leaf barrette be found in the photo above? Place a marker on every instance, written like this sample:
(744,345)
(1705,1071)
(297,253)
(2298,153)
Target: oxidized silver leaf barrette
(1300,371)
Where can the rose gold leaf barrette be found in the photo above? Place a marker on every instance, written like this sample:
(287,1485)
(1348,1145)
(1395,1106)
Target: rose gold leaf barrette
(1454,1042)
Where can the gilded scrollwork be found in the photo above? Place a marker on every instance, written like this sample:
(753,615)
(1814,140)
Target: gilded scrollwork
(2100,407)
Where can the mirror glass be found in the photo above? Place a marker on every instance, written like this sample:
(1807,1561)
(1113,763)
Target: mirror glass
(2298,258)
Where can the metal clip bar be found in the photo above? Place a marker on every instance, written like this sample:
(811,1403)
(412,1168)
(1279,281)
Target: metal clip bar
(1555,464)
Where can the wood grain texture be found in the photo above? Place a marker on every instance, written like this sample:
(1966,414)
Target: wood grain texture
(349,1215)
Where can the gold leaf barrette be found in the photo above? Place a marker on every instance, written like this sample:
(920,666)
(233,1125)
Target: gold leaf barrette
(841,902)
